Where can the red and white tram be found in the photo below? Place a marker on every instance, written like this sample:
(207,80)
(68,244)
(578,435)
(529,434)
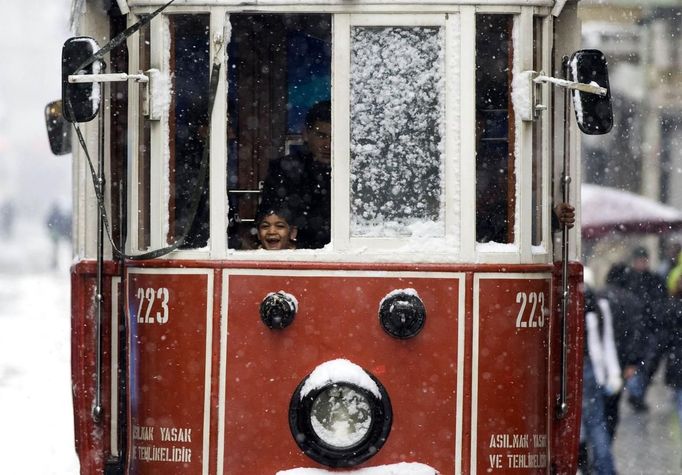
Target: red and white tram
(437,328)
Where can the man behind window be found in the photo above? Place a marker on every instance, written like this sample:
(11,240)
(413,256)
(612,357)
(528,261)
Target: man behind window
(302,181)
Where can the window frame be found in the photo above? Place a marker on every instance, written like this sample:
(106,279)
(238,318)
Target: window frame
(522,250)
(541,253)
(459,243)
(341,214)
(159,152)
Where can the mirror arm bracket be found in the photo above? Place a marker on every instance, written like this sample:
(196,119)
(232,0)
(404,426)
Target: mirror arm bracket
(579,86)
(112,77)
(528,81)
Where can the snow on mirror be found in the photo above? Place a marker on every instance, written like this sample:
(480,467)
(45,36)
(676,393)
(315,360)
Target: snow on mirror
(397,129)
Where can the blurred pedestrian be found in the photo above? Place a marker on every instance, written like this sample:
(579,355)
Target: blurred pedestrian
(673,366)
(58,225)
(673,276)
(628,330)
(671,251)
(649,288)
(601,378)
(7,219)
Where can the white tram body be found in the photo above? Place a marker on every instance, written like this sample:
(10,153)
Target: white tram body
(446,159)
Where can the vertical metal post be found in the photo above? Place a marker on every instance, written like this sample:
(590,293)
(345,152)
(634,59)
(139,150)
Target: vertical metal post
(562,404)
(97,410)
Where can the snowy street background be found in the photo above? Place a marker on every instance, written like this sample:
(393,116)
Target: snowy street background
(36,421)
(35,390)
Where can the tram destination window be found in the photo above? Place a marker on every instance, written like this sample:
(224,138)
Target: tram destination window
(397,132)
(279,76)
(495,178)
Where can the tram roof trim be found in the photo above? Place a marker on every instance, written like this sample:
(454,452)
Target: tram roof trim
(279,3)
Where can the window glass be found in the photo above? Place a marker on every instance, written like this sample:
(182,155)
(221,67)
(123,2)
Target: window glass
(279,73)
(188,124)
(495,179)
(143,152)
(118,151)
(397,133)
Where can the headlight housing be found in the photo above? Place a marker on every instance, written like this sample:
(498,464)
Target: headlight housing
(340,415)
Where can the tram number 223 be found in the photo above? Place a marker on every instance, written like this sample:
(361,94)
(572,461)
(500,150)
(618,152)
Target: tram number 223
(150,300)
(531,310)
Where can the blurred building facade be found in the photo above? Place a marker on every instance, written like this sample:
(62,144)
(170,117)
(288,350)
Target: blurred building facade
(643,44)
(643,154)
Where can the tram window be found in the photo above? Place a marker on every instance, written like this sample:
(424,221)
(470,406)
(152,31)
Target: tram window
(495,177)
(279,66)
(144,153)
(397,131)
(118,113)
(538,65)
(188,128)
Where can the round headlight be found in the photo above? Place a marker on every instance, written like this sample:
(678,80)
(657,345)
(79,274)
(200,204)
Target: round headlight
(342,421)
(341,415)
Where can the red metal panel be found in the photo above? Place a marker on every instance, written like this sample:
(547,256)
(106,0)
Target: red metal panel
(91,437)
(566,430)
(509,372)
(511,380)
(167,371)
(338,318)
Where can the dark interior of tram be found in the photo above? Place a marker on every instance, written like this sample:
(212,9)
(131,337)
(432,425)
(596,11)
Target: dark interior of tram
(278,67)
(495,181)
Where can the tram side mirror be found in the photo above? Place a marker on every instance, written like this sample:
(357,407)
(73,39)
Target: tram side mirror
(58,128)
(592,111)
(80,100)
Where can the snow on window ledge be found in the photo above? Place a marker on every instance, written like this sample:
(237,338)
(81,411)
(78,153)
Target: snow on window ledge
(498,247)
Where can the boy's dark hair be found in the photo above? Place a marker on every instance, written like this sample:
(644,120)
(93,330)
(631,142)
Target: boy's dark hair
(319,112)
(280,210)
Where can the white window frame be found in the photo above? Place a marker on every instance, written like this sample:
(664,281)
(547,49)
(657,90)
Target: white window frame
(521,250)
(341,239)
(459,243)
(159,145)
(542,253)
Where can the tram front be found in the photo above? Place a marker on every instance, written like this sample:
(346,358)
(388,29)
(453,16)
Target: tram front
(331,243)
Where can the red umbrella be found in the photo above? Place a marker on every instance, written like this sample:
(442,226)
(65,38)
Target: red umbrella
(608,210)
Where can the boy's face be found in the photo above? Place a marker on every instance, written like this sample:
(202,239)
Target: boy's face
(275,233)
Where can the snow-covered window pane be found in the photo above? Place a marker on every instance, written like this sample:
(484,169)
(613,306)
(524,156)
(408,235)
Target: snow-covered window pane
(397,138)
